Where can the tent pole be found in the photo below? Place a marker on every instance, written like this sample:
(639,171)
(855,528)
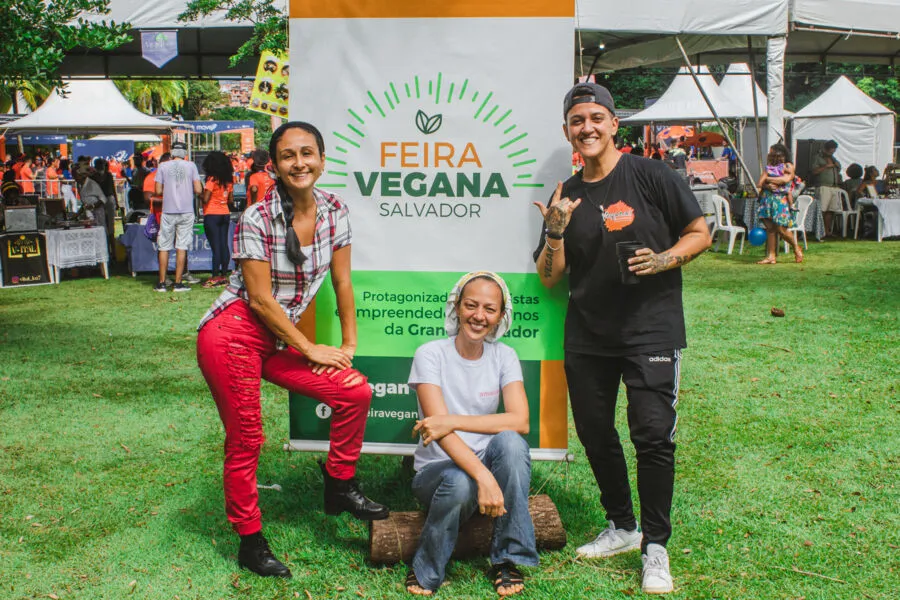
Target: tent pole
(712,109)
(755,103)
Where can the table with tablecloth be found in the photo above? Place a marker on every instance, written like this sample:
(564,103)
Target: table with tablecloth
(888,215)
(143,257)
(815,222)
(68,248)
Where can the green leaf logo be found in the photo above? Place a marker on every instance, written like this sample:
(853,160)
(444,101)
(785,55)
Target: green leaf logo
(428,124)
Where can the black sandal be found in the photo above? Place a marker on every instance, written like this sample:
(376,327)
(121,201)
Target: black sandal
(412,581)
(507,575)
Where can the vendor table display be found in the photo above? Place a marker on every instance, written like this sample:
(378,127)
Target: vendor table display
(143,257)
(24,259)
(888,215)
(67,248)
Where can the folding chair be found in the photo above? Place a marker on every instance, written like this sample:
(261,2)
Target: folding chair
(723,224)
(804,201)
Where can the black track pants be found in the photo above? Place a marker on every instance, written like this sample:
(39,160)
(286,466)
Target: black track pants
(651,385)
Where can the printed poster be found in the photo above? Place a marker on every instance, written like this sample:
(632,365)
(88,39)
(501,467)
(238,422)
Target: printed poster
(441,129)
(271,92)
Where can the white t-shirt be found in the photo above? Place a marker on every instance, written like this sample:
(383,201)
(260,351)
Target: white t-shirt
(469,387)
(177,177)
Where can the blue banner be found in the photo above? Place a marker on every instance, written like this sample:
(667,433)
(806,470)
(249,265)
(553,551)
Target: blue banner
(121,150)
(142,253)
(218,126)
(38,140)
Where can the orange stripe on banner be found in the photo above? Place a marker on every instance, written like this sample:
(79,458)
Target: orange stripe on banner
(554,405)
(428,9)
(307,324)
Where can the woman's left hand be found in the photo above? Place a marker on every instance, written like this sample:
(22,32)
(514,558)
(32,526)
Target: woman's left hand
(434,428)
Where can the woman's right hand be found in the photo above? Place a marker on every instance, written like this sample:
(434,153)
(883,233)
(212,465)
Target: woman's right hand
(323,357)
(559,213)
(490,498)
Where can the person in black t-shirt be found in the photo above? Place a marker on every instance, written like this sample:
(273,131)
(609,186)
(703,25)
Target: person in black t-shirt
(616,332)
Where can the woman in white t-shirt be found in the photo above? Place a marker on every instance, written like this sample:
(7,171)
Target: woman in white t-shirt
(470,456)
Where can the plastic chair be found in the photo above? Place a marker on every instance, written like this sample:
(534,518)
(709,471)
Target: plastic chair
(845,213)
(723,224)
(804,201)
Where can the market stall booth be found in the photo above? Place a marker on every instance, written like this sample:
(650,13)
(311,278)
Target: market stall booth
(89,107)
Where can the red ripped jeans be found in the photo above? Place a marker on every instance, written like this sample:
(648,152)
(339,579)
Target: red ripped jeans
(235,350)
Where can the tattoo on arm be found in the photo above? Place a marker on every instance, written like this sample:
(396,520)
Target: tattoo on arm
(548,262)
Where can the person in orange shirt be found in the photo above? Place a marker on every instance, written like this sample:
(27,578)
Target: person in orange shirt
(52,176)
(154,201)
(260,182)
(26,177)
(218,199)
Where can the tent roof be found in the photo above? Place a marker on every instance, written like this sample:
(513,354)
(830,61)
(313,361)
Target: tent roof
(129,137)
(702,17)
(683,102)
(736,86)
(842,99)
(95,106)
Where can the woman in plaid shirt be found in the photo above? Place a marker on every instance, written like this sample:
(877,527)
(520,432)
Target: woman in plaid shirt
(284,246)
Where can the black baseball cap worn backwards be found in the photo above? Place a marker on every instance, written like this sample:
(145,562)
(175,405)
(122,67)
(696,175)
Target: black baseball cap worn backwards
(591,92)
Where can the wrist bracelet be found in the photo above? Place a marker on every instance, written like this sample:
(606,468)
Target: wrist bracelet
(553,236)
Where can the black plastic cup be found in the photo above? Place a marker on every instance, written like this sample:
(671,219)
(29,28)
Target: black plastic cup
(626,250)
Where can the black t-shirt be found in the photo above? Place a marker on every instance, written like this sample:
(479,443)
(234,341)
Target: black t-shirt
(640,200)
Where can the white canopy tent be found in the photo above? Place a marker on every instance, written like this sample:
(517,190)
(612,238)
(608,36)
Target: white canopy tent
(682,102)
(90,106)
(862,127)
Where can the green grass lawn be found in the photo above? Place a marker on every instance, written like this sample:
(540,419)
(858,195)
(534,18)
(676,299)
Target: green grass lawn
(788,458)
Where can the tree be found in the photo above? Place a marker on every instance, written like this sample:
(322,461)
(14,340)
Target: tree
(37,34)
(202,97)
(269,23)
(263,129)
(154,96)
(34,94)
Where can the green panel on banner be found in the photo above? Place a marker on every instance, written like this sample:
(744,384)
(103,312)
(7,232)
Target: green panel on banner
(394,407)
(398,311)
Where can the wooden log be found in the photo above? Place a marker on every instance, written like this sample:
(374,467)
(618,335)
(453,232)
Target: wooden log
(397,537)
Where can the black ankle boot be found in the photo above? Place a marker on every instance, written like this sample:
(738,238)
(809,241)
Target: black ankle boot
(254,555)
(345,496)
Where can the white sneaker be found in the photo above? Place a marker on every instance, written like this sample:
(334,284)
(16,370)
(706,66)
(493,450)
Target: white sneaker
(656,577)
(610,542)
(188,278)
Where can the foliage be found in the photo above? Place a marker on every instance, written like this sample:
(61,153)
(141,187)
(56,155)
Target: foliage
(270,23)
(36,36)
(787,460)
(262,131)
(202,97)
(804,82)
(33,92)
(155,96)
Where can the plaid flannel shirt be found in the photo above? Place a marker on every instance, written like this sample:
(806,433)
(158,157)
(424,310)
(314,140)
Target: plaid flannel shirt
(260,235)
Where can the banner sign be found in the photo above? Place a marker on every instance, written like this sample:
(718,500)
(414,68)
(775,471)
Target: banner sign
(443,132)
(39,140)
(218,126)
(159,47)
(271,93)
(24,259)
(143,257)
(120,150)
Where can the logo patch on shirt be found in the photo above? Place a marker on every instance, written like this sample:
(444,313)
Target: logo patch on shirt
(618,216)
